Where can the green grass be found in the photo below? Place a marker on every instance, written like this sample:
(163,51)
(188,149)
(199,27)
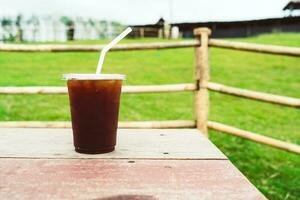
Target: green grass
(285,39)
(274,172)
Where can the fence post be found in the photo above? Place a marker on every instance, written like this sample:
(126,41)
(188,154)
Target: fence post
(201,99)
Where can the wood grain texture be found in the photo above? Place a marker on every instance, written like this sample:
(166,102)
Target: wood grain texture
(123,180)
(201,99)
(132,144)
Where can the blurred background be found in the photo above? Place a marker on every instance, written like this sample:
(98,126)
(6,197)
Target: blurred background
(40,21)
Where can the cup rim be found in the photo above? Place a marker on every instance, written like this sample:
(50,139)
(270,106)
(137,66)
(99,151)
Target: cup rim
(93,76)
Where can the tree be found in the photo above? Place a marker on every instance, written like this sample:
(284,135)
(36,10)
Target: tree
(19,35)
(34,21)
(97,26)
(104,27)
(117,27)
(6,24)
(70,27)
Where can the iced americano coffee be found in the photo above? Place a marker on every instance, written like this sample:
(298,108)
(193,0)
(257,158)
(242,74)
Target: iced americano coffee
(94,104)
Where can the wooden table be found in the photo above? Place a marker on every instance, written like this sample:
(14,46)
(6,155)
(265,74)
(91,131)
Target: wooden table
(147,164)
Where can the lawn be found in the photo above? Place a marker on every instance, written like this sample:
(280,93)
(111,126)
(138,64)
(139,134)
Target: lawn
(276,173)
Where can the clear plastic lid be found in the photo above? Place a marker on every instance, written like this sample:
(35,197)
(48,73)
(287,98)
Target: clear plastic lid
(94,77)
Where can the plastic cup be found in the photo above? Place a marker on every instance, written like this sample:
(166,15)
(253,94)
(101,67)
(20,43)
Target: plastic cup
(94,104)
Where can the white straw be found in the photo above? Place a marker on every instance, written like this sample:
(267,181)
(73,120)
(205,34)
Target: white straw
(107,47)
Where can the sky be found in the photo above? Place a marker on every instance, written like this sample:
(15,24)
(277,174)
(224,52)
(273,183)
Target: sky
(148,11)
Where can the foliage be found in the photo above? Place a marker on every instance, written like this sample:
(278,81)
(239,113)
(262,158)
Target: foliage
(19,20)
(67,21)
(33,20)
(6,24)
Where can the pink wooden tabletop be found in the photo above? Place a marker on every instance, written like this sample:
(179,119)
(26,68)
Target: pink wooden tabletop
(147,164)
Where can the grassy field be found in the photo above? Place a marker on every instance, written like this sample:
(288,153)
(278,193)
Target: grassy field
(274,172)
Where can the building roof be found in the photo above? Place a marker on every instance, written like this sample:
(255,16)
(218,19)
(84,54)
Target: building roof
(228,23)
(292,5)
(159,24)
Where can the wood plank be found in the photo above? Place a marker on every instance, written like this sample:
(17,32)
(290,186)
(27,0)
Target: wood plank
(123,179)
(132,143)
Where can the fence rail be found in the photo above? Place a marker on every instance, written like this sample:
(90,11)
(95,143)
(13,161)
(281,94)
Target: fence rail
(243,46)
(133,124)
(184,87)
(261,96)
(254,137)
(200,87)
(96,48)
(259,48)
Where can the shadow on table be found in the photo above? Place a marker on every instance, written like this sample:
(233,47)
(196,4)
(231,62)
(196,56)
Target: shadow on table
(129,197)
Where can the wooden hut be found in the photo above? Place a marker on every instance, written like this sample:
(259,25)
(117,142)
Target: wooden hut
(292,5)
(148,30)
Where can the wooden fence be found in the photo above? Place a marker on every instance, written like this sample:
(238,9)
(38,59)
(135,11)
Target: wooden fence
(200,88)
